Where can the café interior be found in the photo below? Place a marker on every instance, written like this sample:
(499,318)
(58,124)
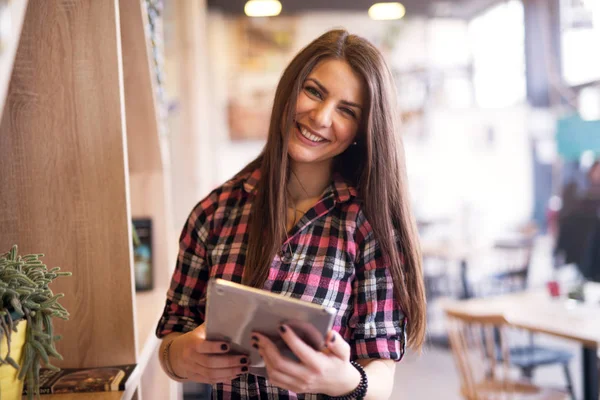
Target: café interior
(500,109)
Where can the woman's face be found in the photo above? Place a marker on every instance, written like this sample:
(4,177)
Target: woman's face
(328,113)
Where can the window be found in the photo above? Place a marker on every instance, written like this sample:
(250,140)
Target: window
(497,40)
(580,35)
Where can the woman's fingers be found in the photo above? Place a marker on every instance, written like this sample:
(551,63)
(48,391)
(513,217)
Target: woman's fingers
(267,349)
(307,355)
(207,361)
(210,347)
(204,346)
(314,371)
(275,361)
(338,346)
(216,368)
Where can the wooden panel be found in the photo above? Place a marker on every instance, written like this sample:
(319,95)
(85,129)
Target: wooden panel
(9,45)
(63,172)
(142,126)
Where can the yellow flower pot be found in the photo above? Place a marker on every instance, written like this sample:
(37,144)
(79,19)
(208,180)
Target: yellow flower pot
(10,386)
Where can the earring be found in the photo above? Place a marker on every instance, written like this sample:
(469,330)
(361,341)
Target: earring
(354,143)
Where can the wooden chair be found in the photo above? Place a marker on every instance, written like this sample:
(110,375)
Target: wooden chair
(476,341)
(511,272)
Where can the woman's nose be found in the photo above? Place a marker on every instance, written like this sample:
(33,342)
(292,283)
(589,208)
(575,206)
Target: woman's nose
(322,115)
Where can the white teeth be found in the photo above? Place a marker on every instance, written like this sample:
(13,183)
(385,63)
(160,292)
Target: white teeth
(310,136)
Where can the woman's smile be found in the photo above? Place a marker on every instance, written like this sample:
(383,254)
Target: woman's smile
(309,137)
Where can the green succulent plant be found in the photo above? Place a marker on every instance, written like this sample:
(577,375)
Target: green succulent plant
(25,295)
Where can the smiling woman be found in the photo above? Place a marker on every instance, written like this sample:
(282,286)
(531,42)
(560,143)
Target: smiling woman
(328,111)
(321,215)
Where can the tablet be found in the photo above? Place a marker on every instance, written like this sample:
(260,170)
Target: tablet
(234,311)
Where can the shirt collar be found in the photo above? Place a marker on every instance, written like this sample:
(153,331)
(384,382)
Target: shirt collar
(251,181)
(339,188)
(342,191)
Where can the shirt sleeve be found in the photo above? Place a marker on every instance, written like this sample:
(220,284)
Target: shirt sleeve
(185,306)
(378,322)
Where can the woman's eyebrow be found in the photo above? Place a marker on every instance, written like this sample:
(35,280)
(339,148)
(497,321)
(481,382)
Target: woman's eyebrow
(324,90)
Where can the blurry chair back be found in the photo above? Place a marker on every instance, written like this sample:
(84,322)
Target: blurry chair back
(508,263)
(481,351)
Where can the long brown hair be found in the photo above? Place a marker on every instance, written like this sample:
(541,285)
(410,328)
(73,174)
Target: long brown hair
(375,166)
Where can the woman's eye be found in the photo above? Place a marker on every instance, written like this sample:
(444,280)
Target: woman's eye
(313,91)
(349,112)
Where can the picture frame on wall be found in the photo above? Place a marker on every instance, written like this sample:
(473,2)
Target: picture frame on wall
(142,254)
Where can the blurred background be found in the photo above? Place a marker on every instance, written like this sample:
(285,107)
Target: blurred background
(500,103)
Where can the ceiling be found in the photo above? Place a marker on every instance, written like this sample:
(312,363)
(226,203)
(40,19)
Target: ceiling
(431,8)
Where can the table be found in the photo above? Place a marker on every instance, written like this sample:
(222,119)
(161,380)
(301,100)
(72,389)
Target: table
(536,311)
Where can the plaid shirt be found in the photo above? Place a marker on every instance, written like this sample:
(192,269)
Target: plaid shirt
(331,258)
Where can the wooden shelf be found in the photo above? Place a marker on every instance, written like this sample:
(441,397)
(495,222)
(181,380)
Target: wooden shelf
(17,10)
(84,396)
(149,307)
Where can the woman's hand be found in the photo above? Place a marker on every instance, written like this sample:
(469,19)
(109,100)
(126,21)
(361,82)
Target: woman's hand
(328,371)
(200,360)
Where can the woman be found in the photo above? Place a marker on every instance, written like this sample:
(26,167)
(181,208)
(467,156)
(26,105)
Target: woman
(322,215)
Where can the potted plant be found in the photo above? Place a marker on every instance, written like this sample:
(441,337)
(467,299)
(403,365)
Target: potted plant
(26,312)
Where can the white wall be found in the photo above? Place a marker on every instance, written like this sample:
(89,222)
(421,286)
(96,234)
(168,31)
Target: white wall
(457,172)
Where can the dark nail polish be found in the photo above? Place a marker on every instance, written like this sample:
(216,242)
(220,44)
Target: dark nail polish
(282,329)
(332,338)
(255,346)
(254,337)
(244,360)
(244,369)
(224,347)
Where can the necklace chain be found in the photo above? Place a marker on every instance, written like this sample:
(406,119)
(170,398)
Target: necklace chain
(289,254)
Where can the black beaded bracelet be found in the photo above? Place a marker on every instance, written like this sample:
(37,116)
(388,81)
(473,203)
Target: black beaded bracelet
(361,390)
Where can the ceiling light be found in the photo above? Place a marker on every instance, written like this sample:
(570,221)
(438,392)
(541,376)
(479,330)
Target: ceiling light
(262,8)
(383,11)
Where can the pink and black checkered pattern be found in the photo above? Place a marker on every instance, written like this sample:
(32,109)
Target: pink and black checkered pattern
(331,258)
